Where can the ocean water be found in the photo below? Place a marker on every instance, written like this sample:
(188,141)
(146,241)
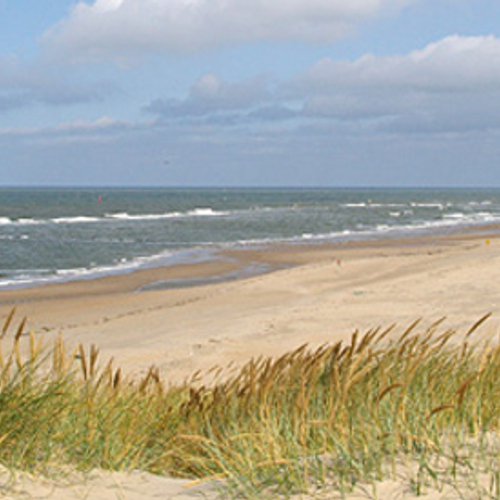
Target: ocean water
(49,235)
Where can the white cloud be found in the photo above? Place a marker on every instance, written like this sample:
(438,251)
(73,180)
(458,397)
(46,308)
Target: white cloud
(451,84)
(124,28)
(452,63)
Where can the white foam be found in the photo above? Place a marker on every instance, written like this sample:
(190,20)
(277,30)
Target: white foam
(30,222)
(28,277)
(197,212)
(24,277)
(480,203)
(33,277)
(206,212)
(75,220)
(124,216)
(387,205)
(123,265)
(428,205)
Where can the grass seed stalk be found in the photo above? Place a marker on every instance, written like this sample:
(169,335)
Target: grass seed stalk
(336,416)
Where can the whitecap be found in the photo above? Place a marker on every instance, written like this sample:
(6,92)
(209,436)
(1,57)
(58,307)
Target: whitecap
(427,205)
(206,212)
(124,216)
(457,215)
(30,222)
(74,220)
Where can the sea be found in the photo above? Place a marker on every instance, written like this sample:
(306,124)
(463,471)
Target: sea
(53,235)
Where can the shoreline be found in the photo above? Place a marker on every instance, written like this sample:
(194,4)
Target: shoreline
(213,253)
(311,294)
(234,263)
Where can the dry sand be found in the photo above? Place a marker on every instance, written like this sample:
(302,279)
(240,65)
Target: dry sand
(313,294)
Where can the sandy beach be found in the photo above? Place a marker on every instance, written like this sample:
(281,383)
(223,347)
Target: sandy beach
(315,294)
(309,294)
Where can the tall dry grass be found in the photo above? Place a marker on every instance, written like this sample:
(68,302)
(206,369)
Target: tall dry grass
(332,417)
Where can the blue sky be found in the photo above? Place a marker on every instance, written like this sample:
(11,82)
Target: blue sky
(250,93)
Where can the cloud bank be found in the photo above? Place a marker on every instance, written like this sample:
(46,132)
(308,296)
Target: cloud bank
(451,85)
(24,85)
(121,28)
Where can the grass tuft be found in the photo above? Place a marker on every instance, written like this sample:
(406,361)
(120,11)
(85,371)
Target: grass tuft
(332,417)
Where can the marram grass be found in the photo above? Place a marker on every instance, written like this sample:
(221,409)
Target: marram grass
(333,417)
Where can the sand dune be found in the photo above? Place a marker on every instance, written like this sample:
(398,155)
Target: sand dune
(313,295)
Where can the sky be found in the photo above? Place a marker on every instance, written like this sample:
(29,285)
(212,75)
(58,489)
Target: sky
(303,93)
